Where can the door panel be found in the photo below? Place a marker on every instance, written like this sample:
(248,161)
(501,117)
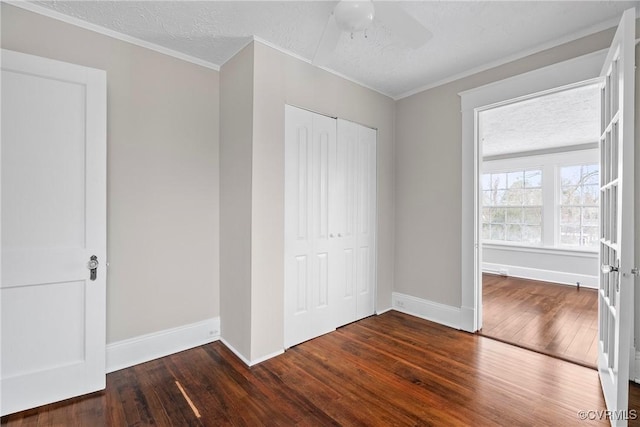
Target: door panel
(345,235)
(53,217)
(616,291)
(309,145)
(366,214)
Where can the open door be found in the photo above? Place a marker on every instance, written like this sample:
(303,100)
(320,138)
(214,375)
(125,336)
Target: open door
(615,297)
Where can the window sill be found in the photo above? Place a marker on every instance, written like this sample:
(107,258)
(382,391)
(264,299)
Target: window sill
(550,250)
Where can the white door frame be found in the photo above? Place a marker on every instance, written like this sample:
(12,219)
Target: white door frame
(473,101)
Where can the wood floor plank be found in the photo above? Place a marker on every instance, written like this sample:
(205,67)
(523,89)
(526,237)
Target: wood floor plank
(391,369)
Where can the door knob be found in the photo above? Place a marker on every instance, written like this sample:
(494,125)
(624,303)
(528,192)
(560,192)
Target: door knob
(92,265)
(608,268)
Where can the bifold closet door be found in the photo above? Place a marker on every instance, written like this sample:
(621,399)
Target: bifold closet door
(310,143)
(330,217)
(365,224)
(353,215)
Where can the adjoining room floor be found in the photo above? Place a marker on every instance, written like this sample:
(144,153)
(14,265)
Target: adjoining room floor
(558,320)
(391,369)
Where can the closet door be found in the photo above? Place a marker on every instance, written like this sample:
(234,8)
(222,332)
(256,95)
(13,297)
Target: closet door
(344,227)
(365,222)
(354,227)
(310,143)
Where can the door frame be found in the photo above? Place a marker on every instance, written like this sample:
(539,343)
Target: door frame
(547,79)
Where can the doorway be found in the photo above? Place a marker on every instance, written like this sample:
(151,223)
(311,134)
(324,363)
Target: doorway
(539,221)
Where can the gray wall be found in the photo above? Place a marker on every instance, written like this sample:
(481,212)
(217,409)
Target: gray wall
(162,175)
(429,170)
(236,140)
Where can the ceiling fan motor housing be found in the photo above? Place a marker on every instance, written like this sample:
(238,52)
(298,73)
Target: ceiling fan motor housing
(353,16)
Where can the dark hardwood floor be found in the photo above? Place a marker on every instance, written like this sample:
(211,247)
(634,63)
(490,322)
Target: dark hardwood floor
(557,320)
(391,369)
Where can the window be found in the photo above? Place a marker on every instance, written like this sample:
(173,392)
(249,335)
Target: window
(512,206)
(579,197)
(548,200)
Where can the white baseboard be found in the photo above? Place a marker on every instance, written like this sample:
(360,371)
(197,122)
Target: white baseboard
(382,311)
(425,309)
(586,281)
(126,353)
(244,359)
(635,375)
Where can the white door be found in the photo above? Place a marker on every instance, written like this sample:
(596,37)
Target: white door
(615,297)
(344,222)
(53,216)
(365,221)
(310,142)
(352,227)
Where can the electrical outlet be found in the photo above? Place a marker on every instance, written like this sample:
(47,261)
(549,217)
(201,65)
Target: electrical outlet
(400,304)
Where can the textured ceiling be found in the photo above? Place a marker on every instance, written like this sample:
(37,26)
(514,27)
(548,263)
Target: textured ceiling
(466,35)
(566,118)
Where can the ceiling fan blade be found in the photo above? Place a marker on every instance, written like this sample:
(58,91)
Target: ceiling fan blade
(396,19)
(328,42)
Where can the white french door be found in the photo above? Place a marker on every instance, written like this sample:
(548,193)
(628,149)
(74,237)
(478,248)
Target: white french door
(53,215)
(616,295)
(330,199)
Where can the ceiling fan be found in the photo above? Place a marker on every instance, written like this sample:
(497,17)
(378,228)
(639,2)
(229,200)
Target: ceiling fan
(353,16)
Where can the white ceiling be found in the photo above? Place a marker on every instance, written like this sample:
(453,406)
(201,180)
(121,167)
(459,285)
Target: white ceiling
(570,117)
(467,35)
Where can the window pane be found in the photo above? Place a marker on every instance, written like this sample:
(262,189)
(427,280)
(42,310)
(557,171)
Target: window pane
(499,197)
(532,216)
(514,233)
(486,181)
(514,215)
(570,175)
(569,235)
(497,232)
(590,236)
(591,174)
(486,214)
(571,195)
(515,180)
(590,217)
(570,216)
(486,198)
(591,195)
(513,197)
(497,216)
(533,179)
(532,197)
(485,230)
(531,234)
(498,181)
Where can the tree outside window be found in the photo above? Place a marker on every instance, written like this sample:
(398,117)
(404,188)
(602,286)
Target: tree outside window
(512,206)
